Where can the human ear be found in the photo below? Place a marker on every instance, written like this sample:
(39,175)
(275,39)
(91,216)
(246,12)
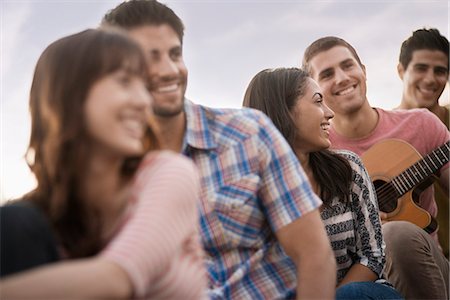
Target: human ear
(400,70)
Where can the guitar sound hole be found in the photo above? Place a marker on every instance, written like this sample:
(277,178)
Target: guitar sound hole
(387,197)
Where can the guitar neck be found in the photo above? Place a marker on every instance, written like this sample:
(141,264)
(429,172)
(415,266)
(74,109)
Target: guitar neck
(421,170)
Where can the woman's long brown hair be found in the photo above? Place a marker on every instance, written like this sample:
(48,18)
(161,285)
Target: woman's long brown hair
(275,92)
(59,148)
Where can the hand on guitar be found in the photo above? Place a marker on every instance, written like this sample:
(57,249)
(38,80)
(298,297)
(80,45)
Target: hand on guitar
(383,216)
(400,174)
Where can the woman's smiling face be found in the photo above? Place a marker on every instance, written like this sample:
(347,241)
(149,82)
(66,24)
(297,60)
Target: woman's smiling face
(116,112)
(312,119)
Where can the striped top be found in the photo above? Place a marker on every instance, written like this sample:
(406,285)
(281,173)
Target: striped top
(354,230)
(158,245)
(251,186)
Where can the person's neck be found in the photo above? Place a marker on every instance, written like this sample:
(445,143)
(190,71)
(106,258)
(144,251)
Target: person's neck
(406,104)
(357,124)
(303,158)
(104,188)
(436,109)
(440,112)
(172,131)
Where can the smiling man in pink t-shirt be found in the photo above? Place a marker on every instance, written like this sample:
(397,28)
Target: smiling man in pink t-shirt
(415,263)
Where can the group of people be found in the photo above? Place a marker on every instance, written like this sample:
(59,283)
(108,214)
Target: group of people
(144,194)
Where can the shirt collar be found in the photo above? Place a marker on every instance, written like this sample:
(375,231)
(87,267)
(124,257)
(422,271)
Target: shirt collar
(198,131)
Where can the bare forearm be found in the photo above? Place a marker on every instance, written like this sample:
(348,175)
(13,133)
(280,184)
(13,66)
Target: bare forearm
(358,273)
(312,254)
(444,180)
(316,280)
(91,278)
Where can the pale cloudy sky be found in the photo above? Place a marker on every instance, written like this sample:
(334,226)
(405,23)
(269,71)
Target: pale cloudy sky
(226,44)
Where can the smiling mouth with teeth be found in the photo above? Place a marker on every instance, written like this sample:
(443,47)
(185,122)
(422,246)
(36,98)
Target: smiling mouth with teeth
(325,127)
(346,91)
(136,127)
(427,90)
(167,88)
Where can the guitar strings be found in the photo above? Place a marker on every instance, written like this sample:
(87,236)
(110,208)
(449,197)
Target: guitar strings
(386,192)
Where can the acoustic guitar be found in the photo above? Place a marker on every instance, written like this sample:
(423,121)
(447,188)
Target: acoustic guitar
(399,175)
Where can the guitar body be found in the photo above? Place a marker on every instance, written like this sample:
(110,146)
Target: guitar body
(384,161)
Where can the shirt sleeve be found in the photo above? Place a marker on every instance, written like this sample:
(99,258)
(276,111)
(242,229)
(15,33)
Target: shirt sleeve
(369,236)
(166,189)
(440,134)
(285,190)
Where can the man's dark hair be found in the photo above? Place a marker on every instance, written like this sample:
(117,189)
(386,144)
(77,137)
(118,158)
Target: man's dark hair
(136,13)
(324,44)
(423,39)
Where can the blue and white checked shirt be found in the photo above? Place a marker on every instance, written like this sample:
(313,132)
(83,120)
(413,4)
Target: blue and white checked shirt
(252,185)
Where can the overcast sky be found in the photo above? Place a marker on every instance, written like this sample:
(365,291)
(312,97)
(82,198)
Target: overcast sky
(226,44)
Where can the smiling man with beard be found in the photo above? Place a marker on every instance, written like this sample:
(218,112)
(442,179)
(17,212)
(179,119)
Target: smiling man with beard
(259,218)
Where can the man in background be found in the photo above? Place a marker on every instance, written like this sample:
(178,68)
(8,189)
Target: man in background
(423,67)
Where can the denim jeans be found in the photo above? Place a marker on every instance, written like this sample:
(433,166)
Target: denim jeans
(366,290)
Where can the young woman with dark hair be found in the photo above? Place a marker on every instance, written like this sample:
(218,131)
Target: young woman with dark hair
(119,220)
(294,103)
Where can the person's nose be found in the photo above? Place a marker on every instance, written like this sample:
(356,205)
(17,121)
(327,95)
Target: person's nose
(329,113)
(341,76)
(166,68)
(141,97)
(429,76)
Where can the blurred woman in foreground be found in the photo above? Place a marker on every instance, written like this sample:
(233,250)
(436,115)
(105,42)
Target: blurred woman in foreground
(124,217)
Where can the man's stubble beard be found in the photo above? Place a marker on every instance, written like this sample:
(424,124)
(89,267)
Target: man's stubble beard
(168,113)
